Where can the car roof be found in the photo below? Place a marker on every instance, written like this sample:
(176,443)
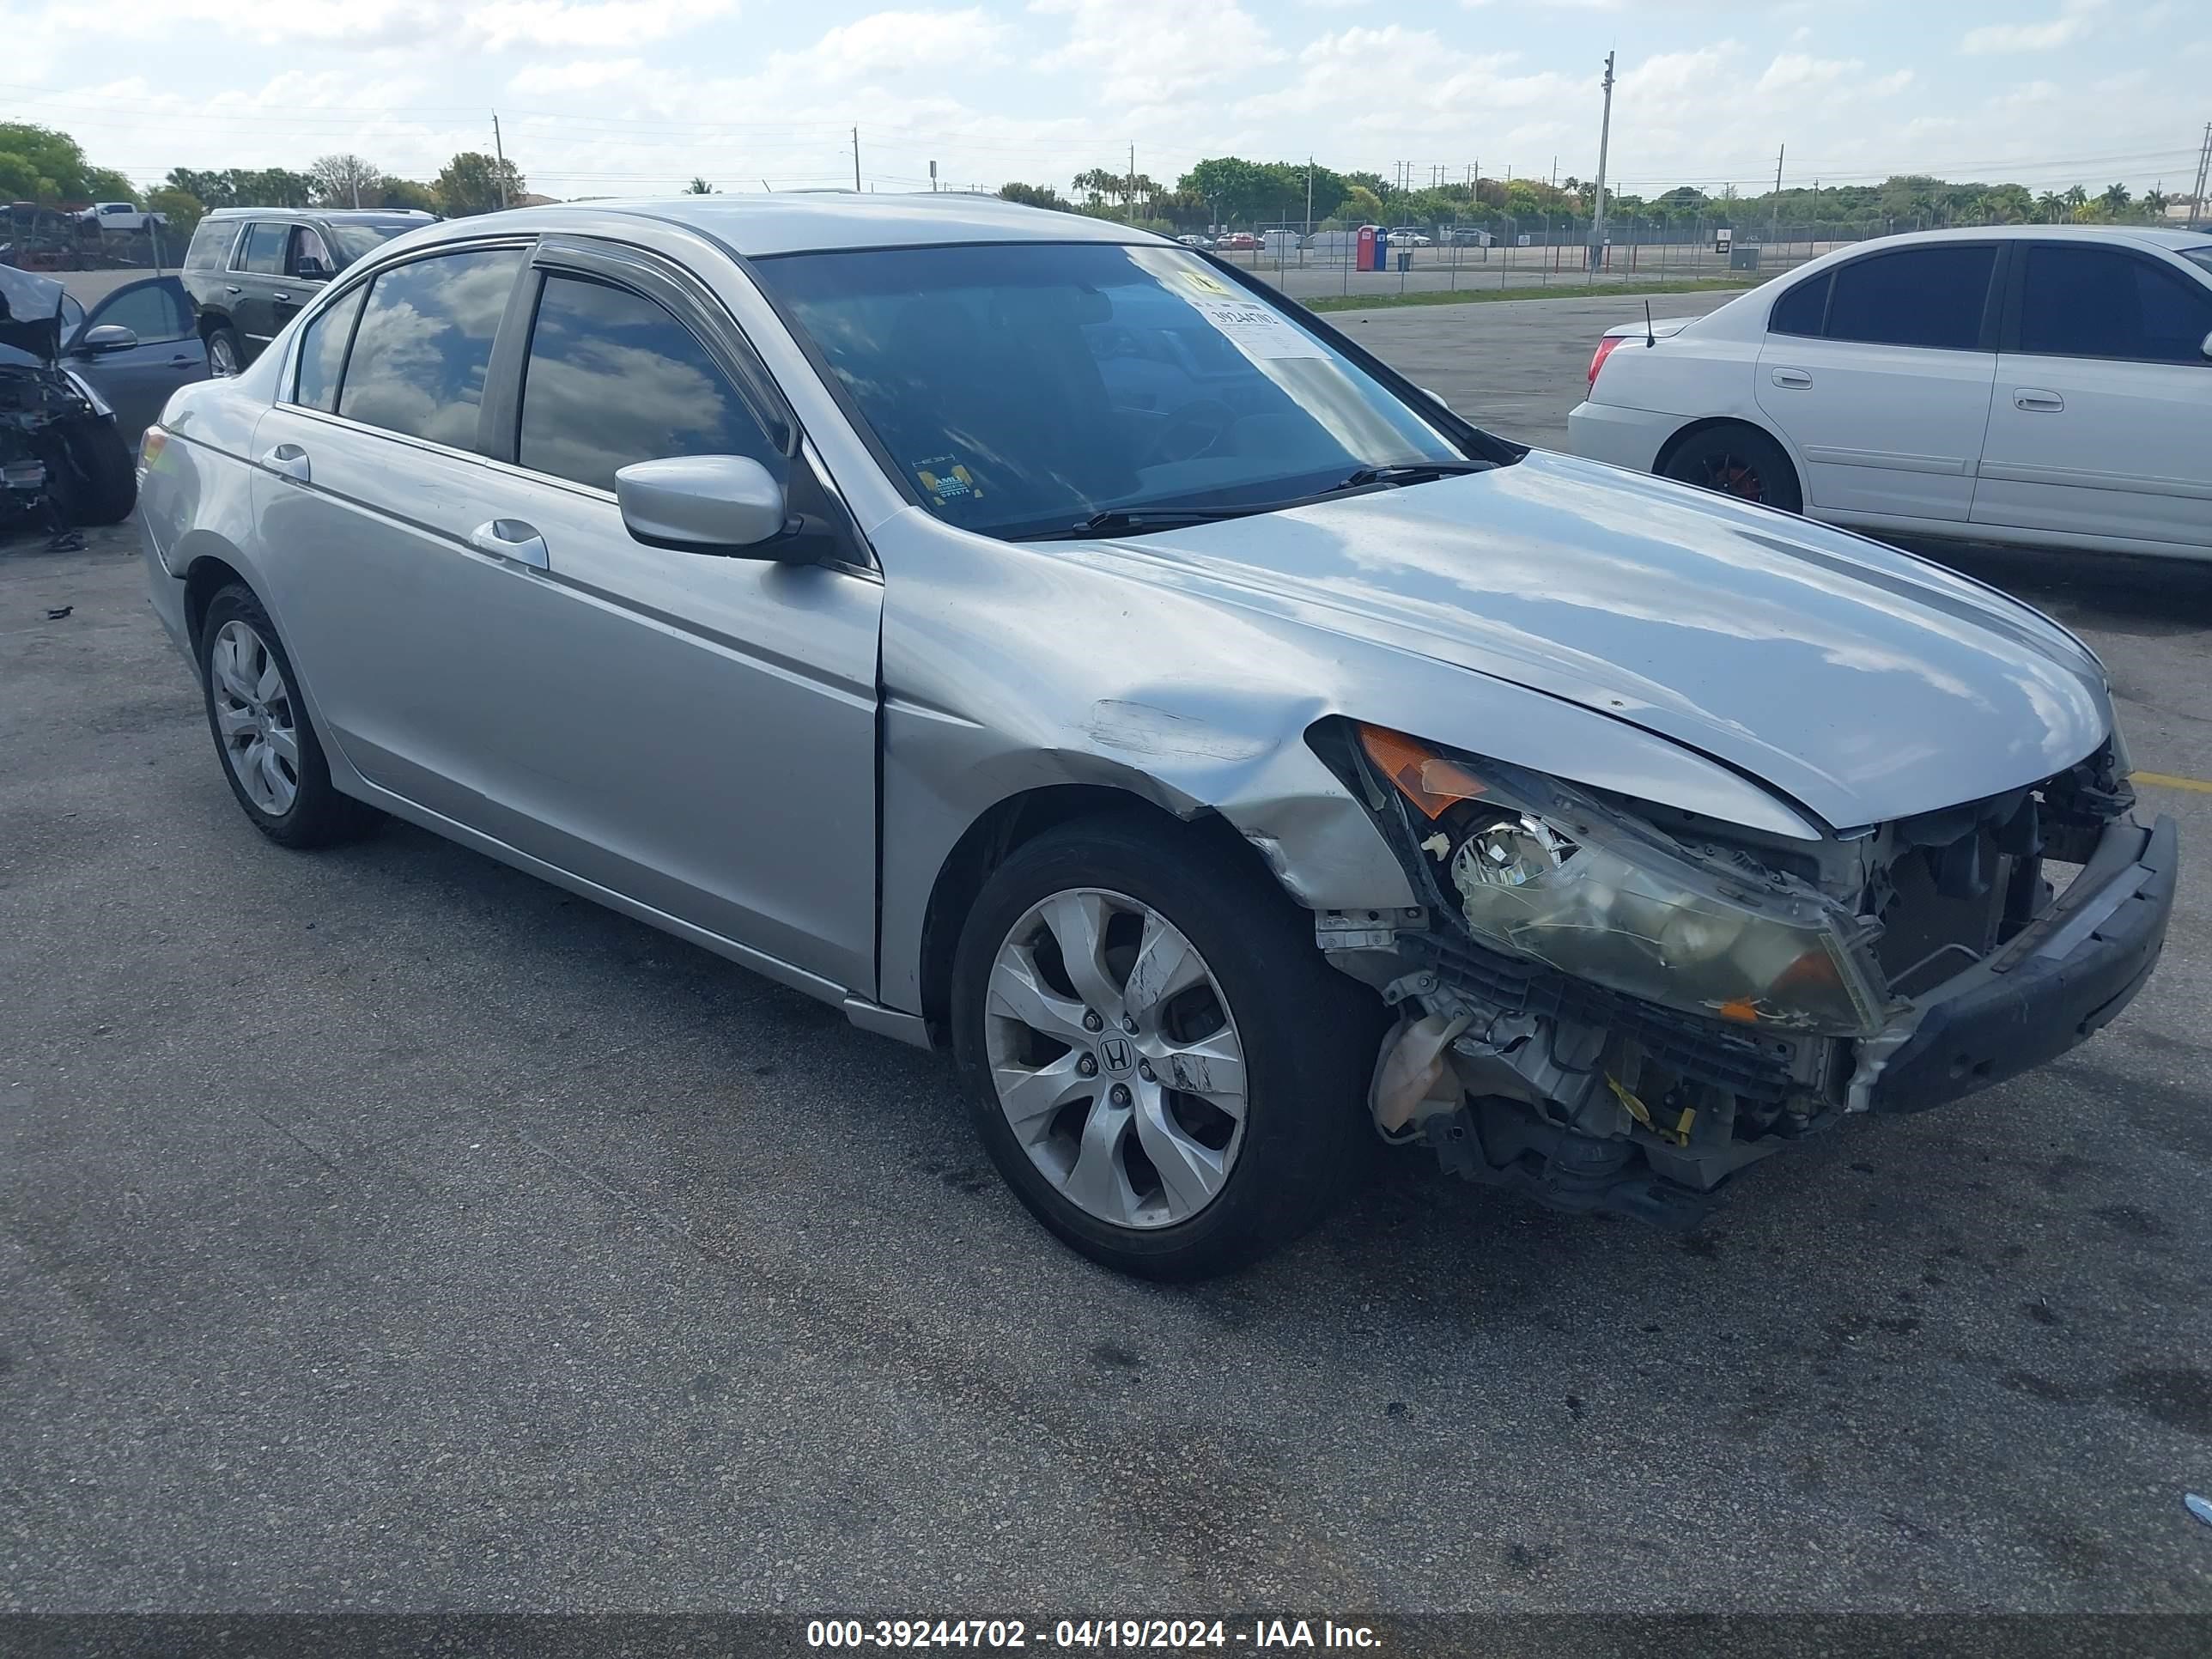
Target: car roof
(807,222)
(343,216)
(2153,235)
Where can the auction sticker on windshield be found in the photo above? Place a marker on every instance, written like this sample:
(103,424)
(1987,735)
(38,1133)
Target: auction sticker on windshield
(1251,327)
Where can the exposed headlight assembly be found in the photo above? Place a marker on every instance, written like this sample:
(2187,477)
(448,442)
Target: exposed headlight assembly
(1542,869)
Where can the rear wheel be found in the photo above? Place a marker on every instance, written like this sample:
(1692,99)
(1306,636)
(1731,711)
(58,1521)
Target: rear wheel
(270,755)
(1159,1059)
(1737,461)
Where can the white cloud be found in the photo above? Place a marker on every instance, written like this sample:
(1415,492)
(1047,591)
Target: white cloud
(894,42)
(2071,24)
(1146,50)
(586,22)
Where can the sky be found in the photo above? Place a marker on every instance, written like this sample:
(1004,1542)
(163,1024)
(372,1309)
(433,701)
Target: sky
(633,97)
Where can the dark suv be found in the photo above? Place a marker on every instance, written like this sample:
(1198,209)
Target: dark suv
(250,269)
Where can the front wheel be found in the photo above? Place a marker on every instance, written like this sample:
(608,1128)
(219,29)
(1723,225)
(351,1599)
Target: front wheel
(1159,1059)
(1737,461)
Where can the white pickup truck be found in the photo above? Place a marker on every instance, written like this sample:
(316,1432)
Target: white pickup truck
(123,217)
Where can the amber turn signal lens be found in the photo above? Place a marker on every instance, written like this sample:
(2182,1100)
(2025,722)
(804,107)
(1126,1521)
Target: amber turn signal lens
(1422,776)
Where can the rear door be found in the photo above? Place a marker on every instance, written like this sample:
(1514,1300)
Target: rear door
(257,277)
(307,266)
(1883,386)
(138,378)
(2100,419)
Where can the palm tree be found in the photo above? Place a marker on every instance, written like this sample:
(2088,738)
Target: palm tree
(2154,202)
(2115,199)
(2050,203)
(698,186)
(2077,197)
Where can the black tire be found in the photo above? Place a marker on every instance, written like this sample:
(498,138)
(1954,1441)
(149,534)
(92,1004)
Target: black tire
(1308,1036)
(1739,460)
(106,486)
(317,815)
(222,340)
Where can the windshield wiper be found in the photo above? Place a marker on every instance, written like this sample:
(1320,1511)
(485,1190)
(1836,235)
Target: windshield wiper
(1126,520)
(1409,472)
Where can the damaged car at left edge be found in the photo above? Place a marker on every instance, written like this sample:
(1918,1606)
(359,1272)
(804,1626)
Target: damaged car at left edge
(1048,643)
(76,390)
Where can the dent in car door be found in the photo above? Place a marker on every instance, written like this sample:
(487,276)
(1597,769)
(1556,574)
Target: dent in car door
(698,733)
(1888,402)
(2100,419)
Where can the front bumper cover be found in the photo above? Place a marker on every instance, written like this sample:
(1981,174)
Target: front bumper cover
(2063,979)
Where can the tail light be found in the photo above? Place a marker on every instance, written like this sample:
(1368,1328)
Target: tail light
(1604,350)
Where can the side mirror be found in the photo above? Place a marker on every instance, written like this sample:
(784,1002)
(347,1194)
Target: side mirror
(725,504)
(2206,347)
(108,337)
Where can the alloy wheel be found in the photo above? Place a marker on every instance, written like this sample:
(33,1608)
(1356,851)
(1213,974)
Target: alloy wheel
(1116,1058)
(222,357)
(1732,476)
(254,718)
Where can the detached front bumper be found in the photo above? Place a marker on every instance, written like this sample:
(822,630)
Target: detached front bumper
(2065,976)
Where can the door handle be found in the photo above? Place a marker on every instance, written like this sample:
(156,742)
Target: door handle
(2036,400)
(288,459)
(281,296)
(511,538)
(182,361)
(1796,379)
(232,287)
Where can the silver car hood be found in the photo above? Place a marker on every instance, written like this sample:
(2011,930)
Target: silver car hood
(1863,683)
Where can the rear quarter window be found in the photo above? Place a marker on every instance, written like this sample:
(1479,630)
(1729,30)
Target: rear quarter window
(210,244)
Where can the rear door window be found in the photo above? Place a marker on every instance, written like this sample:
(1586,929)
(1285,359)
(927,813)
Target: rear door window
(1931,296)
(264,251)
(613,378)
(323,350)
(210,244)
(1801,310)
(424,344)
(309,258)
(2101,302)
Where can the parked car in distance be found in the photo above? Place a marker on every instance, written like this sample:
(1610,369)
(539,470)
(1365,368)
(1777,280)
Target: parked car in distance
(250,269)
(1409,236)
(1238,241)
(1193,240)
(77,388)
(1192,752)
(122,217)
(2035,384)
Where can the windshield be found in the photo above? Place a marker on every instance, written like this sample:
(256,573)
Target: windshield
(1023,387)
(355,239)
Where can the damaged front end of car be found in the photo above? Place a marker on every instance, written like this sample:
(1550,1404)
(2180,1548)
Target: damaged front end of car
(1615,1006)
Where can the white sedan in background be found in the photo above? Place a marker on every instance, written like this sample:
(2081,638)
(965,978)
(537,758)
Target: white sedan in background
(2047,386)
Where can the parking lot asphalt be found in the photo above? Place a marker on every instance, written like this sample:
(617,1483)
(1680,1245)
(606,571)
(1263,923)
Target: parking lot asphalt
(382,1229)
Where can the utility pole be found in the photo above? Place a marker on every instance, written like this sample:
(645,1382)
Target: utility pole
(1309,165)
(1774,219)
(2204,179)
(1129,201)
(1604,143)
(499,150)
(856,161)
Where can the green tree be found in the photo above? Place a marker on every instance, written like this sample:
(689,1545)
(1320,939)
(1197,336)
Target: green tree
(1035,195)
(393,192)
(470,182)
(40,164)
(346,180)
(183,209)
(212,189)
(698,186)
(1359,206)
(2116,199)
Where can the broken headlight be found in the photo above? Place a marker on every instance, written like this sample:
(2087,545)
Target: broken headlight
(1542,869)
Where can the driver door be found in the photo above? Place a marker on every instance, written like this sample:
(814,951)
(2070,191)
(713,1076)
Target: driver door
(136,376)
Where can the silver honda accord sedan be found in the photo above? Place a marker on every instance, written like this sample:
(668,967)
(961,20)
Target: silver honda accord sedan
(1042,641)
